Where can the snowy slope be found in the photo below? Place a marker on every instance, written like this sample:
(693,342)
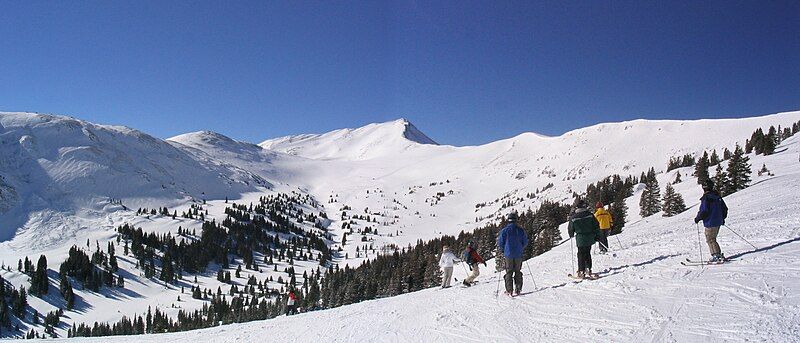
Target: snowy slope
(60,175)
(403,185)
(58,170)
(362,143)
(644,294)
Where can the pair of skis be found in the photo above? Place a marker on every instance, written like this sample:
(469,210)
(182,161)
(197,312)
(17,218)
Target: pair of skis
(690,262)
(587,277)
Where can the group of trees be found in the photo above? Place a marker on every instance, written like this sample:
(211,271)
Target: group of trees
(12,302)
(766,143)
(246,231)
(687,160)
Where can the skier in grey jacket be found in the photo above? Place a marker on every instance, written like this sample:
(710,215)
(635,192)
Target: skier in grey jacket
(446,262)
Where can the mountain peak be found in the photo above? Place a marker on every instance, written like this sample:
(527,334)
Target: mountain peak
(366,142)
(412,133)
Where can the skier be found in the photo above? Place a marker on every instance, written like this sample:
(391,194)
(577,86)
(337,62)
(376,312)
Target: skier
(290,303)
(446,261)
(585,228)
(472,258)
(712,212)
(606,222)
(512,240)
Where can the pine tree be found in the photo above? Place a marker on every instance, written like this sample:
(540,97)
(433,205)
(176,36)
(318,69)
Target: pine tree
(69,296)
(673,202)
(714,158)
(677,178)
(619,212)
(721,181)
(39,282)
(739,170)
(650,202)
(701,169)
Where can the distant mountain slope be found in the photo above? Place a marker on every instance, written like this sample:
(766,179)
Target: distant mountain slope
(371,141)
(64,165)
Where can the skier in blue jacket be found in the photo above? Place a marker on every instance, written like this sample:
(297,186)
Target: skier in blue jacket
(512,240)
(712,212)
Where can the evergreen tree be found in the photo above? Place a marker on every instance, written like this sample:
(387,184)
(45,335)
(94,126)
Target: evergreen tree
(677,178)
(20,302)
(673,202)
(701,169)
(714,158)
(619,212)
(650,202)
(739,170)
(69,296)
(39,282)
(721,181)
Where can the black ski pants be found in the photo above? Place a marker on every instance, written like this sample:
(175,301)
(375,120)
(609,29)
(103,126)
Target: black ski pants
(584,258)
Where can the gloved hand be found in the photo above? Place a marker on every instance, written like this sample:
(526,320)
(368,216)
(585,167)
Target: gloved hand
(696,220)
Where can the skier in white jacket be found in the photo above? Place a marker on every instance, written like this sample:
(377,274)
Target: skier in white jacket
(446,262)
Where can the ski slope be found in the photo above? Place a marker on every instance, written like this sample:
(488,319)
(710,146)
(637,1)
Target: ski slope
(644,293)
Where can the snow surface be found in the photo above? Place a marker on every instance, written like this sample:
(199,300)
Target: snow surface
(62,181)
(644,293)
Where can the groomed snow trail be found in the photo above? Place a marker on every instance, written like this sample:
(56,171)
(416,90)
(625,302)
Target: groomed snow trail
(645,295)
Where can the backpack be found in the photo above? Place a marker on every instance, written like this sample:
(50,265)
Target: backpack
(724,208)
(466,256)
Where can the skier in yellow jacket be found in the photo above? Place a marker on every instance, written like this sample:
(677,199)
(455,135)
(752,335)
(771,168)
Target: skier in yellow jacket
(606,222)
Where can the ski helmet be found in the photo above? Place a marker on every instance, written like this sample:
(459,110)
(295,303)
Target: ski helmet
(512,217)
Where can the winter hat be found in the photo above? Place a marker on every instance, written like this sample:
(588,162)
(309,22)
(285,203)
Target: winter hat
(445,248)
(581,204)
(708,185)
(598,205)
(512,217)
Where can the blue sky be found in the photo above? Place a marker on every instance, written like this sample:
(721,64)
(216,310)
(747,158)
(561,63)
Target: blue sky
(464,72)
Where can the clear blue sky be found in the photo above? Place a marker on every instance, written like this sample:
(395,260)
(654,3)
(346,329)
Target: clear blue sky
(464,72)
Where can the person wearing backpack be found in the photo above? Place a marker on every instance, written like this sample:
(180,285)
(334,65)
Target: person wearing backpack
(585,228)
(512,241)
(446,262)
(712,212)
(473,259)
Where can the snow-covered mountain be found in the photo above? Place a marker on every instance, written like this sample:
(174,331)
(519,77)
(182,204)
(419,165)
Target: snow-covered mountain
(63,181)
(55,169)
(644,293)
(371,141)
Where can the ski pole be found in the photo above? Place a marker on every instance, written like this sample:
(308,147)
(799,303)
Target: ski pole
(572,250)
(740,236)
(613,254)
(497,292)
(532,278)
(700,245)
(620,242)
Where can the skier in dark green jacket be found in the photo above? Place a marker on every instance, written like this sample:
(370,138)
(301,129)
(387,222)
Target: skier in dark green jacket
(585,228)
